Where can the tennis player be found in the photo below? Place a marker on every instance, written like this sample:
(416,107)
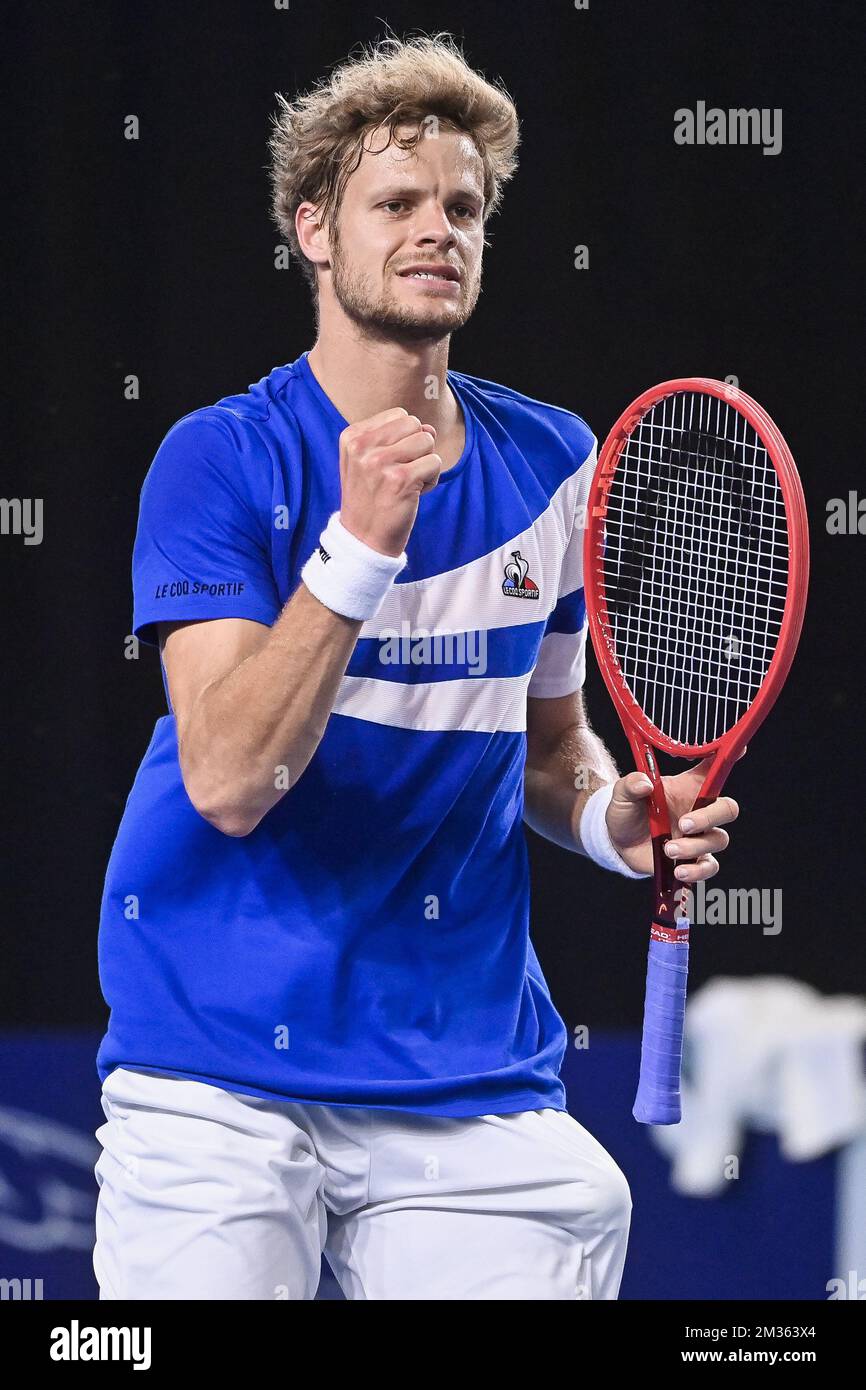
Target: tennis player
(329,1029)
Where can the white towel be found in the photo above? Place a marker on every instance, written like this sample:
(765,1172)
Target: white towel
(769,1054)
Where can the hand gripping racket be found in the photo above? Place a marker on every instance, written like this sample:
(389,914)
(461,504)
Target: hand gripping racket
(696,565)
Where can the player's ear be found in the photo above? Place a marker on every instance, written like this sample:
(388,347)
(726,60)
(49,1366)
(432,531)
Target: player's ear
(312,234)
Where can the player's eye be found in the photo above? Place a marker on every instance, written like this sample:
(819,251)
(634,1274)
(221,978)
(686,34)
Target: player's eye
(464,210)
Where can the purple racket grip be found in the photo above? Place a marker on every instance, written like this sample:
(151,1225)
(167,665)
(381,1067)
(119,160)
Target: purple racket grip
(658,1093)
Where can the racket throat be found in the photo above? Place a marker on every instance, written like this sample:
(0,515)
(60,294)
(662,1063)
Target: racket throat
(668,923)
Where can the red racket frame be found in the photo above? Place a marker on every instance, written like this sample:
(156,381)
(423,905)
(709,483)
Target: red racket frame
(642,735)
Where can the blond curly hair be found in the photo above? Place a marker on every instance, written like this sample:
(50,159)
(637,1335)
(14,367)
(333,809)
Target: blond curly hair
(318,140)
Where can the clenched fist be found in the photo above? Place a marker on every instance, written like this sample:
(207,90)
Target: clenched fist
(385,466)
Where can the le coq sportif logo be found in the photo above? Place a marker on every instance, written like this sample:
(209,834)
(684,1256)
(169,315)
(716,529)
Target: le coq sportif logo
(517,583)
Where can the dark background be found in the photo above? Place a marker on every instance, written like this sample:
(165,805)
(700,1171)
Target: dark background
(156,258)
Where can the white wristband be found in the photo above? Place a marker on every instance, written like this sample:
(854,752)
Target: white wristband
(594,835)
(348,576)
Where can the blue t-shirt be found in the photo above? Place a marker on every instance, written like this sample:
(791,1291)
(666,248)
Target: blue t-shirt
(368,943)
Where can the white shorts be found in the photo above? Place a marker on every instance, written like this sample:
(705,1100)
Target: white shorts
(210,1194)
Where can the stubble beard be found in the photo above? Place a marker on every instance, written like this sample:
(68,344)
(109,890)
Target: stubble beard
(381,316)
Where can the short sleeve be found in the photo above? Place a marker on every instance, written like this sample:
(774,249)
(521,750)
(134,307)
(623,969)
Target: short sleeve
(561,666)
(203,544)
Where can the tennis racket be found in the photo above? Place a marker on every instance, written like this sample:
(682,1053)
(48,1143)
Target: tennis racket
(696,566)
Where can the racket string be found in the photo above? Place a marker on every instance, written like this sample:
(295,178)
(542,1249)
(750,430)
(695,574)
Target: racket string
(694,561)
